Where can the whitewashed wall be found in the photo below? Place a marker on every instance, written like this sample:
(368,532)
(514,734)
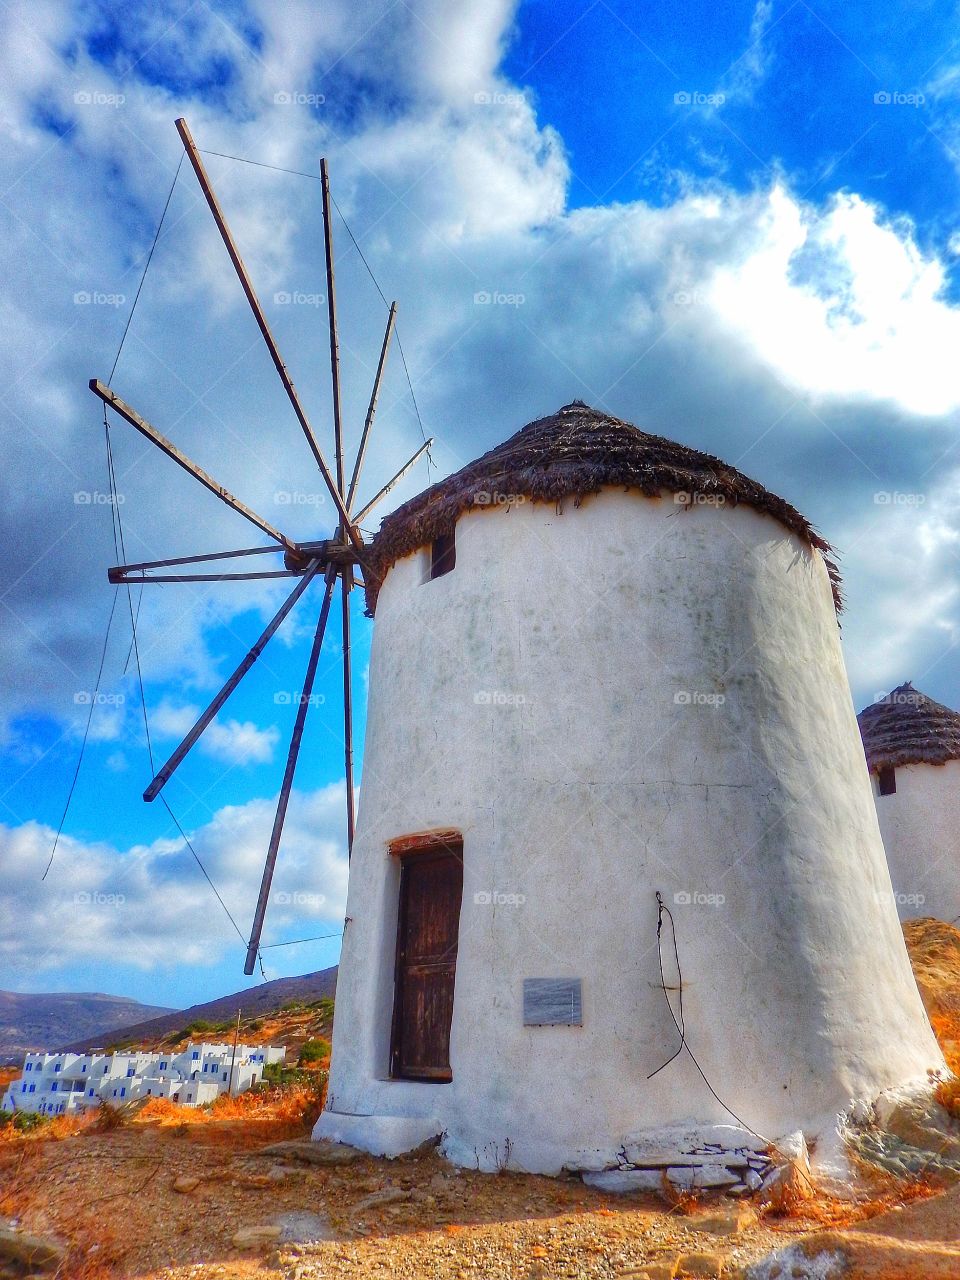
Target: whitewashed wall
(920,825)
(623,698)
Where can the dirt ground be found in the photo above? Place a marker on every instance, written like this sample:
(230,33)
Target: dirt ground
(110,1198)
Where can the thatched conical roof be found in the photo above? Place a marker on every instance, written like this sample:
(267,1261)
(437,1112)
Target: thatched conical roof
(907,727)
(573,453)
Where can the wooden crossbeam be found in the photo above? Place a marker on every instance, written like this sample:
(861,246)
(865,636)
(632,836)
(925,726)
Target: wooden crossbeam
(153,435)
(358,519)
(226,235)
(372,407)
(139,579)
(164,774)
(288,773)
(119,569)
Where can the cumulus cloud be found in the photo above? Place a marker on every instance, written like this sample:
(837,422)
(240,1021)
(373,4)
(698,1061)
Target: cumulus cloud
(231,741)
(150,905)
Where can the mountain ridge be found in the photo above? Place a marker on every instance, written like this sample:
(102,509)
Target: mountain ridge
(42,1020)
(253,1001)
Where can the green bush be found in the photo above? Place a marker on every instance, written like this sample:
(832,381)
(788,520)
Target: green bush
(24,1121)
(314,1051)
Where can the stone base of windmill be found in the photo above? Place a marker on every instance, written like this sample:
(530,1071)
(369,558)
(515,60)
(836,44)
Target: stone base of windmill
(721,1158)
(904,1132)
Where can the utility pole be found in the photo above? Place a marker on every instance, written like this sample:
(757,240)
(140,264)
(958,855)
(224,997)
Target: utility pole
(233,1063)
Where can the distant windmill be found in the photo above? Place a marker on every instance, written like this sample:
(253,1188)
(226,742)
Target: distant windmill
(332,558)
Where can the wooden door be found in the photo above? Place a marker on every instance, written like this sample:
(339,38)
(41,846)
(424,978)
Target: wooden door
(431,888)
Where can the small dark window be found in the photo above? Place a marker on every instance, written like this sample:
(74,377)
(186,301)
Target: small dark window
(443,554)
(887,779)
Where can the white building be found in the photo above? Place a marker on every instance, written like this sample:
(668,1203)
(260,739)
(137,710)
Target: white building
(912,745)
(607,667)
(61,1083)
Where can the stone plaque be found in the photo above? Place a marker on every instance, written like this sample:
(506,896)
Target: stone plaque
(552,1002)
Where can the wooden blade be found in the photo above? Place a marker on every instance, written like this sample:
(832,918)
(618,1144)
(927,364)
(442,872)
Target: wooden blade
(372,407)
(119,569)
(347,709)
(332,318)
(163,776)
(391,483)
(181,459)
(225,234)
(287,784)
(135,579)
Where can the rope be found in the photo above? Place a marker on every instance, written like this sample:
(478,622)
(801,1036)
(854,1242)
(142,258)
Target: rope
(299,173)
(86,734)
(383,298)
(663,910)
(146,268)
(297,941)
(118,534)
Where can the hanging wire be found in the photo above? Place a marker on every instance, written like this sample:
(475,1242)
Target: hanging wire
(86,733)
(383,297)
(663,910)
(114,515)
(295,942)
(146,268)
(143,704)
(299,173)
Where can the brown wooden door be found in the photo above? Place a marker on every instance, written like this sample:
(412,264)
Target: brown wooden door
(431,888)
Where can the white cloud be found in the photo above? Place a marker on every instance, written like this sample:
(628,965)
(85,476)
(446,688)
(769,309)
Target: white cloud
(232,741)
(149,906)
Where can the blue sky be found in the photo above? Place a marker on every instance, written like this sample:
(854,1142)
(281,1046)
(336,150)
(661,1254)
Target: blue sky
(735,226)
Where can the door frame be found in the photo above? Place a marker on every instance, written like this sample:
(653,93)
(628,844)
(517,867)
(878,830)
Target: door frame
(408,849)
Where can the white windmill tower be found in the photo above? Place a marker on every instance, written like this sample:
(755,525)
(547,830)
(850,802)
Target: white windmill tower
(617,864)
(607,696)
(912,745)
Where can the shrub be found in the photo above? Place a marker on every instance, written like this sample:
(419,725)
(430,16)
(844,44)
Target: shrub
(24,1121)
(314,1051)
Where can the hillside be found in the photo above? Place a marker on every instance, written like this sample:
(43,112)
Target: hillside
(44,1020)
(257,1004)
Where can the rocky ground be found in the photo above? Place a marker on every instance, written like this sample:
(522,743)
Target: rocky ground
(158,1198)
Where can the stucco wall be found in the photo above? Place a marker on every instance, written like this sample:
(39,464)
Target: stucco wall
(623,698)
(920,825)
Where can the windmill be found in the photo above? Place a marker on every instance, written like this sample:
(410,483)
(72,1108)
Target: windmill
(331,559)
